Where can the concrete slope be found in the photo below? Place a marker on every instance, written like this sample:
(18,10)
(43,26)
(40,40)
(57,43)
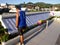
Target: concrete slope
(46,37)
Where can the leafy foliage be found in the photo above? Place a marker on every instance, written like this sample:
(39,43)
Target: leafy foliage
(40,4)
(30,27)
(3,34)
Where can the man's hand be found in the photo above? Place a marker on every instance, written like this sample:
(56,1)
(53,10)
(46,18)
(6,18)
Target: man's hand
(16,26)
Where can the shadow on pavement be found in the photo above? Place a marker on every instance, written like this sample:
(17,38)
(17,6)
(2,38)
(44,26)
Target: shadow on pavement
(58,41)
(34,35)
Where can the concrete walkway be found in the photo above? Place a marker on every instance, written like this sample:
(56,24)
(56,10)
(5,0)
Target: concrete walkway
(48,36)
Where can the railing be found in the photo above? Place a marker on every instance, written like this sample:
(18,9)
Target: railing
(10,24)
(31,19)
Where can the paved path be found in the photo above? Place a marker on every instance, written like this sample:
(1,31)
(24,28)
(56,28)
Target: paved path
(48,36)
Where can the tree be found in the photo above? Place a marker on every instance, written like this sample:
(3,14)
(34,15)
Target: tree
(3,34)
(43,5)
(29,3)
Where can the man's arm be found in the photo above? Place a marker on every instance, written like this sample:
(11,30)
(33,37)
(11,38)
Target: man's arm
(17,16)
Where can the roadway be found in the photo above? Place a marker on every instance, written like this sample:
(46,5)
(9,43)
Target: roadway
(49,36)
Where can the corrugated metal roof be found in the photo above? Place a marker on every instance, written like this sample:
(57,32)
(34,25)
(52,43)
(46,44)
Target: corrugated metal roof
(30,20)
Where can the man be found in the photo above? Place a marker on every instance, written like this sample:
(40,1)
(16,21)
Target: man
(20,23)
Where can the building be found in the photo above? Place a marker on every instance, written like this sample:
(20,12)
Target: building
(2,5)
(11,6)
(37,8)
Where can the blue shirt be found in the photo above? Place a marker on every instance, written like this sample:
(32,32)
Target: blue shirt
(22,19)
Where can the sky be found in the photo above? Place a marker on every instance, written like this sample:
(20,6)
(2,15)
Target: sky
(26,1)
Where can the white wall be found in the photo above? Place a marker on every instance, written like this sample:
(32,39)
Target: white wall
(3,4)
(55,13)
(2,22)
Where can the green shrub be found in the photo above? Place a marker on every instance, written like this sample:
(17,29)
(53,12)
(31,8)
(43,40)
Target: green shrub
(4,38)
(30,27)
(50,18)
(3,34)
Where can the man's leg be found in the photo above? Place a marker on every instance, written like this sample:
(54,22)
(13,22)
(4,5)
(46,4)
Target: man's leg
(21,37)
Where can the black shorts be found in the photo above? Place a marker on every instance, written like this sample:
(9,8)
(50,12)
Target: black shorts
(20,30)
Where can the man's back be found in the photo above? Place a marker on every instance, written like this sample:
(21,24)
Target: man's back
(22,19)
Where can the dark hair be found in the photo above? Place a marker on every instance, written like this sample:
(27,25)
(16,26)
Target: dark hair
(18,7)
